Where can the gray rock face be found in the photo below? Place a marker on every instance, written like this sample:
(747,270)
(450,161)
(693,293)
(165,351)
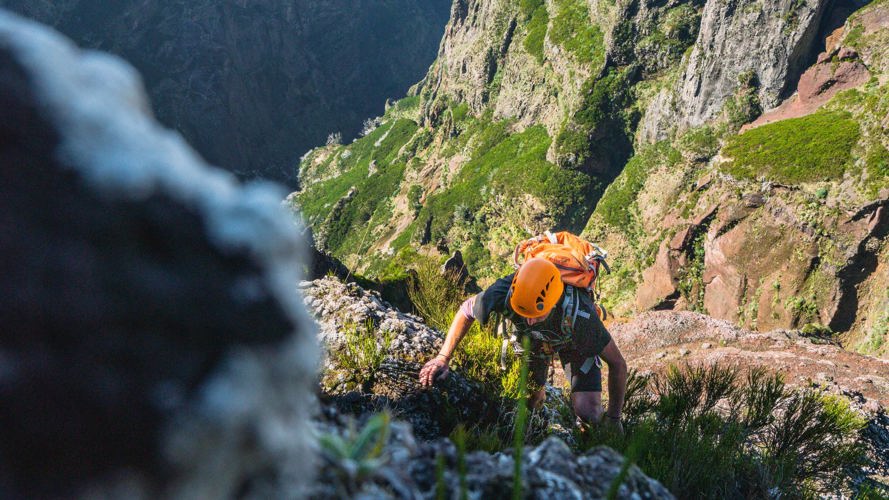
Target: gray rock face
(769,40)
(153,344)
(346,315)
(253,85)
(550,470)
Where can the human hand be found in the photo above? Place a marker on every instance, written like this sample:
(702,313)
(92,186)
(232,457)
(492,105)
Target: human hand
(613,424)
(435,369)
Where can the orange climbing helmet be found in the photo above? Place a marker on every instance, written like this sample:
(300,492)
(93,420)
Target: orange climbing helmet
(535,289)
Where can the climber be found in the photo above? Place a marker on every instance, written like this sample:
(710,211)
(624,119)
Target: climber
(536,303)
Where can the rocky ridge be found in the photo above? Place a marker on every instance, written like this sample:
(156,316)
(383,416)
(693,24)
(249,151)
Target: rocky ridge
(650,343)
(406,467)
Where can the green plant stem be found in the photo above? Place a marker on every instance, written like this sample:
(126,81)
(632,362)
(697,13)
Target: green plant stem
(520,421)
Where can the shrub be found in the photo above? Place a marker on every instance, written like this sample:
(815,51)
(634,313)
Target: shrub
(708,432)
(356,456)
(537,19)
(574,30)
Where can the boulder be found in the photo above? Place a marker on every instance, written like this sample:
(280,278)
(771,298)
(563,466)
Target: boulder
(153,341)
(401,344)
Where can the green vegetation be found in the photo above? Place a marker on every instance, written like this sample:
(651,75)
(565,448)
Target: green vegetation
(619,198)
(362,352)
(574,30)
(812,148)
(876,338)
(744,106)
(437,298)
(691,277)
(536,20)
(877,168)
(502,164)
(357,455)
(709,432)
(599,129)
(372,165)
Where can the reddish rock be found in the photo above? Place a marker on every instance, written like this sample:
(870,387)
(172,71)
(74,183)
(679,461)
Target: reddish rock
(818,84)
(644,339)
(680,239)
(658,282)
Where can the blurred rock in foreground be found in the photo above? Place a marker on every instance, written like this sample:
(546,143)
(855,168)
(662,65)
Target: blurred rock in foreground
(153,341)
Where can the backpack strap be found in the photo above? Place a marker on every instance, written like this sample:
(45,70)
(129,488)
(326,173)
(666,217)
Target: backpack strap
(570,310)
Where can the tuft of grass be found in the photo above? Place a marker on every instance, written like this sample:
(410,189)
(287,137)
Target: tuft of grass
(709,432)
(813,148)
(362,351)
(356,456)
(437,298)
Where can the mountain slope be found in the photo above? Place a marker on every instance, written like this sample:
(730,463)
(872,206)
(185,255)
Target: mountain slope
(533,108)
(253,85)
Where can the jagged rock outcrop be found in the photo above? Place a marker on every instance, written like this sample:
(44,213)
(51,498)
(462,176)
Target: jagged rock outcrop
(153,342)
(253,85)
(770,42)
(550,470)
(373,355)
(796,236)
(837,70)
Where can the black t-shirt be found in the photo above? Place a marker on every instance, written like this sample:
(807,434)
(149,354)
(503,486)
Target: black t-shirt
(589,334)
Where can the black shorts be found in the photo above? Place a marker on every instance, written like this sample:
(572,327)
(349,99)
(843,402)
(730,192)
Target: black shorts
(580,360)
(584,370)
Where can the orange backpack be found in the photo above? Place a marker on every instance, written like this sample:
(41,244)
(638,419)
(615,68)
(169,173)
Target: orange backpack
(578,260)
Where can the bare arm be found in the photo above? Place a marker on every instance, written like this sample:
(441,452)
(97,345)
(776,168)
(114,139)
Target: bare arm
(438,366)
(617,379)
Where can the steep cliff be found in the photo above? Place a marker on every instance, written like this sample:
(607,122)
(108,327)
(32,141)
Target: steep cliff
(742,144)
(253,85)
(783,225)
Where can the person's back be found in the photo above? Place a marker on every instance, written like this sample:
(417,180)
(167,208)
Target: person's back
(559,319)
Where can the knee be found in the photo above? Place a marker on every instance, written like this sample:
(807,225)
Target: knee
(588,410)
(536,399)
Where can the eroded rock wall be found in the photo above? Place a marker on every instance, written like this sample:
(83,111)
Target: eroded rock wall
(766,41)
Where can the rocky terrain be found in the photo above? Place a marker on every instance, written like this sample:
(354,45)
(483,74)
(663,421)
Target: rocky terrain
(651,343)
(732,156)
(156,342)
(155,345)
(253,85)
